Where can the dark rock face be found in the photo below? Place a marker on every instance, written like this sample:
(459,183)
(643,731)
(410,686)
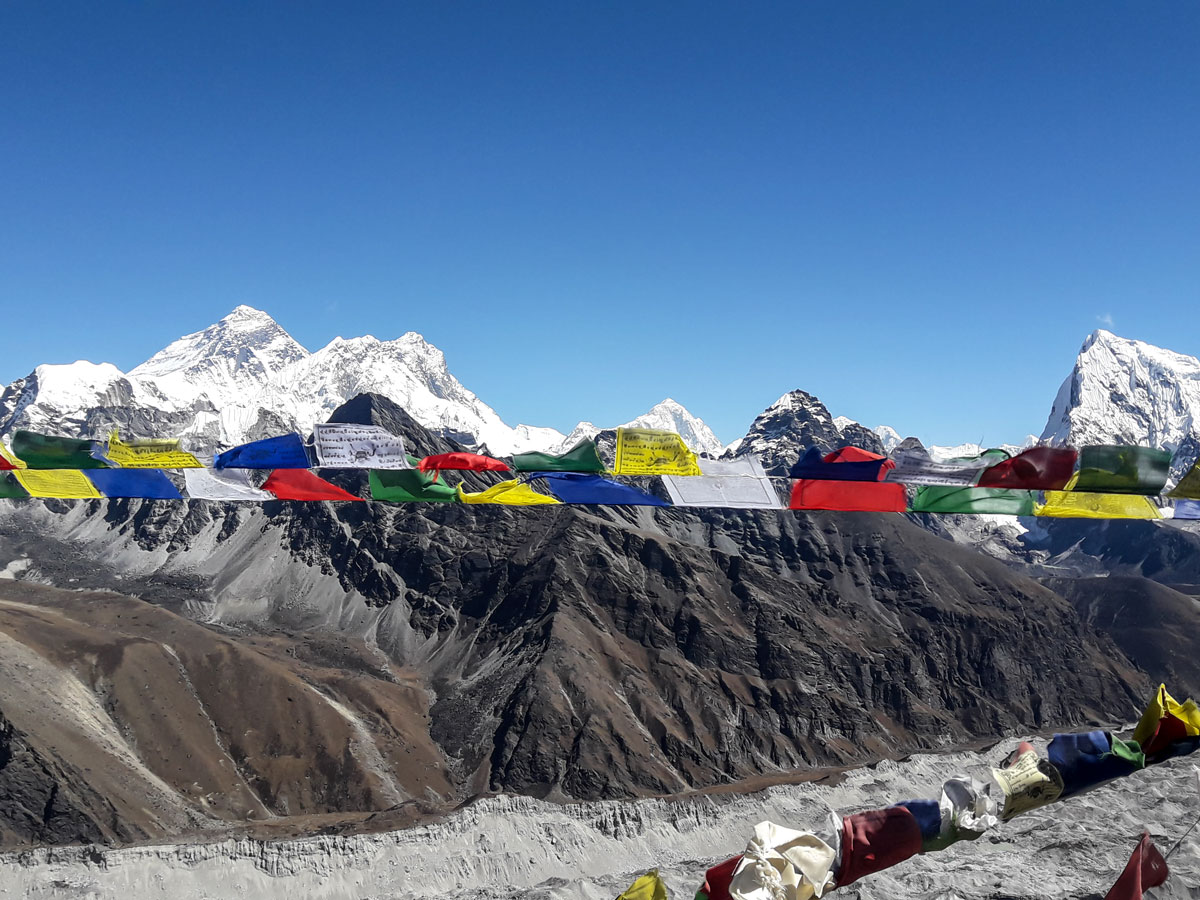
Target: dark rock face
(798,420)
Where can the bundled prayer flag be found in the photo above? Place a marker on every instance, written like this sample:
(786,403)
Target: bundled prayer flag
(1028,783)
(649,887)
(971,500)
(583,457)
(409,486)
(1086,760)
(1035,469)
(341,445)
(1123,470)
(1189,485)
(1166,721)
(1146,869)
(10,488)
(507,493)
(472,462)
(8,460)
(798,862)
(848,496)
(152,484)
(301,484)
(45,451)
(63,484)
(1072,504)
(918,467)
(148,454)
(647,451)
(581,487)
(967,812)
(283,452)
(222,484)
(875,840)
(845,464)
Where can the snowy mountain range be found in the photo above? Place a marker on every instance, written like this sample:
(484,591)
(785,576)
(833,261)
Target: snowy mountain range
(245,377)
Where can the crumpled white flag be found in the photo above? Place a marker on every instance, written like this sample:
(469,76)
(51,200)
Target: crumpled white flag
(341,445)
(782,864)
(732,483)
(968,810)
(223,484)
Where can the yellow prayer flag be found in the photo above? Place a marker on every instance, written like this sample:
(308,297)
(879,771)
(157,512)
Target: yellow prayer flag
(62,484)
(149,454)
(649,887)
(1027,784)
(9,457)
(647,451)
(508,493)
(1164,704)
(1078,505)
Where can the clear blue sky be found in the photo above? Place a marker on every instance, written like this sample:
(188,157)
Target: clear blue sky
(916,211)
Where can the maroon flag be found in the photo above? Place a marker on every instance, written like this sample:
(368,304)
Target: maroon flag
(1035,469)
(1146,869)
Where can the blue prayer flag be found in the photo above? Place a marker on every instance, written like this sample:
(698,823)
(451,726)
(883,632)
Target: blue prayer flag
(152,484)
(576,487)
(283,452)
(812,465)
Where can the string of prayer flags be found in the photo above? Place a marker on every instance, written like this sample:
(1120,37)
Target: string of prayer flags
(649,887)
(10,488)
(1166,721)
(1189,485)
(583,457)
(302,484)
(472,462)
(1146,869)
(47,451)
(973,501)
(61,484)
(1028,782)
(507,493)
(8,460)
(738,483)
(283,452)
(582,487)
(1122,470)
(150,484)
(918,467)
(1073,504)
(1087,760)
(876,840)
(342,445)
(1035,469)
(148,454)
(799,862)
(409,486)
(222,484)
(648,451)
(848,496)
(845,464)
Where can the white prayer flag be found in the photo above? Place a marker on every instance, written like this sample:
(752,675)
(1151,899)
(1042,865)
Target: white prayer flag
(345,446)
(730,483)
(222,484)
(915,467)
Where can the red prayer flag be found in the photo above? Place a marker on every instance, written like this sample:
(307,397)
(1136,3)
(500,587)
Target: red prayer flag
(1035,469)
(5,465)
(1146,869)
(472,461)
(875,840)
(850,496)
(718,879)
(1170,729)
(301,484)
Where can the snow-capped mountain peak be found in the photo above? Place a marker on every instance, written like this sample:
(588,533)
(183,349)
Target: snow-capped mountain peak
(1126,391)
(888,436)
(671,416)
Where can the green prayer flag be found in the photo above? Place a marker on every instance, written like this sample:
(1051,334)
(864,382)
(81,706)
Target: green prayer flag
(583,457)
(1000,501)
(1130,751)
(1189,485)
(1111,469)
(10,488)
(409,486)
(46,451)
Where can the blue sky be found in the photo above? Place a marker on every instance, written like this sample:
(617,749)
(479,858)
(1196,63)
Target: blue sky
(916,211)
